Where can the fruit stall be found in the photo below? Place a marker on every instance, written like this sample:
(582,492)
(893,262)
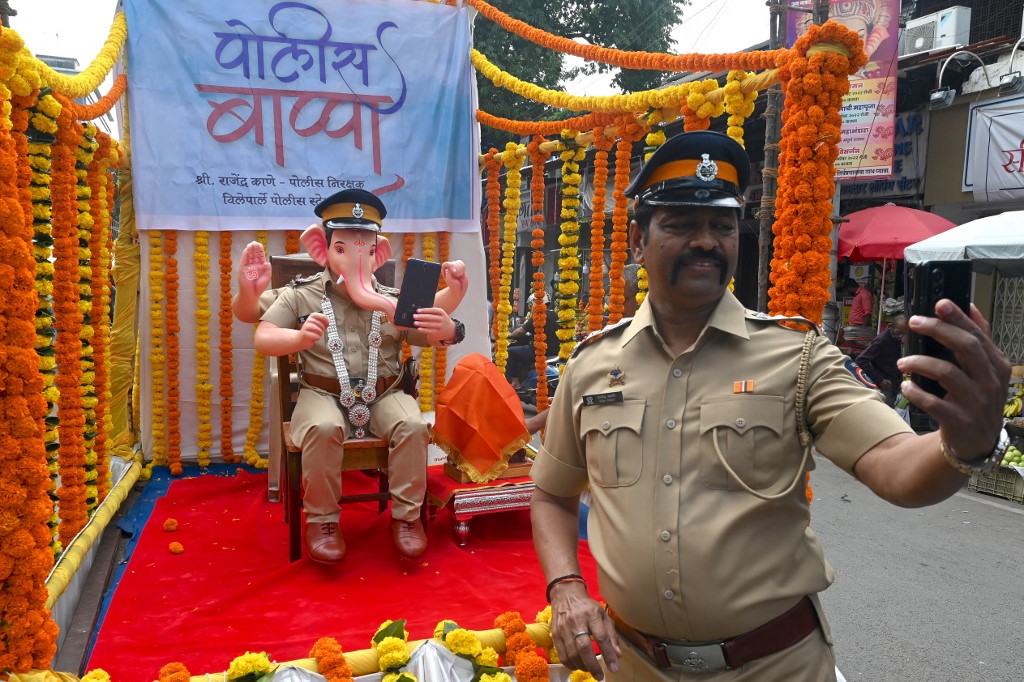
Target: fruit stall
(1007,481)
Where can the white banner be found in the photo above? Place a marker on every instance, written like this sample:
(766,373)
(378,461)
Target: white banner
(246,113)
(994,164)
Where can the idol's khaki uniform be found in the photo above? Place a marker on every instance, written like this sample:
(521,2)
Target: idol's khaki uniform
(318,424)
(683,552)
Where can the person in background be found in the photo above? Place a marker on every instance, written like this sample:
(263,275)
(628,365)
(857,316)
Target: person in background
(521,350)
(860,310)
(630,275)
(879,359)
(682,424)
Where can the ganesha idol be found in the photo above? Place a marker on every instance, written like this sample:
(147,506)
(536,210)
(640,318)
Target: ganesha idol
(340,322)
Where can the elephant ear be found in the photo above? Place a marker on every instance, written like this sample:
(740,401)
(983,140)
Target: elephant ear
(383,253)
(315,240)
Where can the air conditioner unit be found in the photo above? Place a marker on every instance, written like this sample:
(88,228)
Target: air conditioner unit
(947,28)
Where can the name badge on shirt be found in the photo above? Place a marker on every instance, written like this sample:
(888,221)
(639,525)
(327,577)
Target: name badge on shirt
(602,398)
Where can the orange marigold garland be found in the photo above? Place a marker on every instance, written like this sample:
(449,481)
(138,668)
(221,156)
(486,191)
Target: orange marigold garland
(173,353)
(630,132)
(291,241)
(513,178)
(227,391)
(595,303)
(256,403)
(427,354)
(29,635)
(816,77)
(492,164)
(330,660)
(157,356)
(72,508)
(517,640)
(174,672)
(538,159)
(569,253)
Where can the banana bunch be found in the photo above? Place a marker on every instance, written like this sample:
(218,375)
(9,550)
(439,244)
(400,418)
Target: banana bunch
(1013,406)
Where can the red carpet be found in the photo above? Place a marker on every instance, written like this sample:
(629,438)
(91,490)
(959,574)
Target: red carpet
(233,590)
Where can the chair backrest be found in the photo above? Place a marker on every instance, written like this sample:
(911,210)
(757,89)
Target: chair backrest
(283,269)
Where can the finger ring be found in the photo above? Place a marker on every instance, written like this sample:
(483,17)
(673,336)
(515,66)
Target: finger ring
(581,634)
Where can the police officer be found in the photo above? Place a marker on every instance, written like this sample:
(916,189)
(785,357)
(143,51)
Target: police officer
(303,319)
(682,423)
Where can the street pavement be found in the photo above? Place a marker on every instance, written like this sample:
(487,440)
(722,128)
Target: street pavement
(933,594)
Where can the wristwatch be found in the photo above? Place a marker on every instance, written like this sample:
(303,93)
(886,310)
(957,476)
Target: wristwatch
(983,467)
(460,334)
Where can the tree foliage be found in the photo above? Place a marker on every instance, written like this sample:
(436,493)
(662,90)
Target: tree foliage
(623,24)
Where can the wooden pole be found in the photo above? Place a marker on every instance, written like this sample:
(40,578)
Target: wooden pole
(770,171)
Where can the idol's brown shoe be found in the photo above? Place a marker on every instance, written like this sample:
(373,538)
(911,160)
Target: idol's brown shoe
(409,538)
(324,543)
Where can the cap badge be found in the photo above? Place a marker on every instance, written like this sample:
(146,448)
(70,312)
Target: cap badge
(707,170)
(618,377)
(357,212)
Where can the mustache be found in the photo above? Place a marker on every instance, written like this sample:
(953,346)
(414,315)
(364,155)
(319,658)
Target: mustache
(693,256)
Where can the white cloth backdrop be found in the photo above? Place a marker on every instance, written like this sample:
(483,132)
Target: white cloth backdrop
(472,311)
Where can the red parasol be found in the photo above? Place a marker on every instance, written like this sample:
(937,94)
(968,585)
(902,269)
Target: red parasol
(881,233)
(478,419)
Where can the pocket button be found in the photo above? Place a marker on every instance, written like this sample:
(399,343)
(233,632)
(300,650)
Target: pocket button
(741,422)
(605,426)
(667,478)
(671,423)
(666,536)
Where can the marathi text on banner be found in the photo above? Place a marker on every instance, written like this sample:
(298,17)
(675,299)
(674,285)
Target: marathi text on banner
(869,110)
(246,114)
(994,164)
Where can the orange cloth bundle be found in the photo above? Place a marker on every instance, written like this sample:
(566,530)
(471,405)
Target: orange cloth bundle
(478,419)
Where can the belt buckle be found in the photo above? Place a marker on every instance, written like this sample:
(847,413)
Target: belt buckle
(708,658)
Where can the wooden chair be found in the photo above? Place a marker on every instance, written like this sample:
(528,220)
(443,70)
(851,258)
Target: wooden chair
(361,454)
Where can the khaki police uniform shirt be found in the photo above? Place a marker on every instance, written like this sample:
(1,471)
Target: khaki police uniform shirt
(299,299)
(682,551)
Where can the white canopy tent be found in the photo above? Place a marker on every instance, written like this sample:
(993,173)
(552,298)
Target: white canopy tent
(993,243)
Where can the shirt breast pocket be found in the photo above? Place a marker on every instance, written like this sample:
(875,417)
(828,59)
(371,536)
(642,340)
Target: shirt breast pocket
(747,430)
(612,436)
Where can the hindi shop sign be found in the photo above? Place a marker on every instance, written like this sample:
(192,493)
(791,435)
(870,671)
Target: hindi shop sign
(994,164)
(245,114)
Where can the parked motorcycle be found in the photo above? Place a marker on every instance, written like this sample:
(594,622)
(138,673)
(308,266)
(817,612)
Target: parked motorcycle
(527,391)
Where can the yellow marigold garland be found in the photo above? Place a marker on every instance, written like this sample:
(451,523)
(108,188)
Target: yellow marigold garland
(441,354)
(173,327)
(249,665)
(569,253)
(225,316)
(816,80)
(738,104)
(204,388)
(390,641)
(84,155)
(72,507)
(29,635)
(538,159)
(39,164)
(157,357)
(78,86)
(259,371)
(513,177)
(427,353)
(99,266)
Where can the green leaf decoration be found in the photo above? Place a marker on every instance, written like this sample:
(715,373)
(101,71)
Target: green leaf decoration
(396,629)
(481,670)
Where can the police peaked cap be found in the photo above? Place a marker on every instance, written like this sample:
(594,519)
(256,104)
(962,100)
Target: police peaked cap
(700,168)
(352,208)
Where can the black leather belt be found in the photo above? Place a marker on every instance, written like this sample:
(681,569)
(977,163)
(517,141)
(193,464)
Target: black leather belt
(333,386)
(774,636)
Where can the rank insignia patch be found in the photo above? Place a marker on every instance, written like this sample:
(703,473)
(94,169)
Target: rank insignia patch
(618,377)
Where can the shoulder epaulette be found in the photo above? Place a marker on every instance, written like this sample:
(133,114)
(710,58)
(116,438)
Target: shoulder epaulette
(781,319)
(300,281)
(386,290)
(600,334)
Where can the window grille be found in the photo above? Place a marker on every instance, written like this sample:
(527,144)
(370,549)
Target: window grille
(1008,318)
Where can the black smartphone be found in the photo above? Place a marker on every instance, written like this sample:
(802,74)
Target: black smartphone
(928,283)
(419,286)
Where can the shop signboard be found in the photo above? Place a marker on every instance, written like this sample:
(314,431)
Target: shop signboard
(994,163)
(910,150)
(869,110)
